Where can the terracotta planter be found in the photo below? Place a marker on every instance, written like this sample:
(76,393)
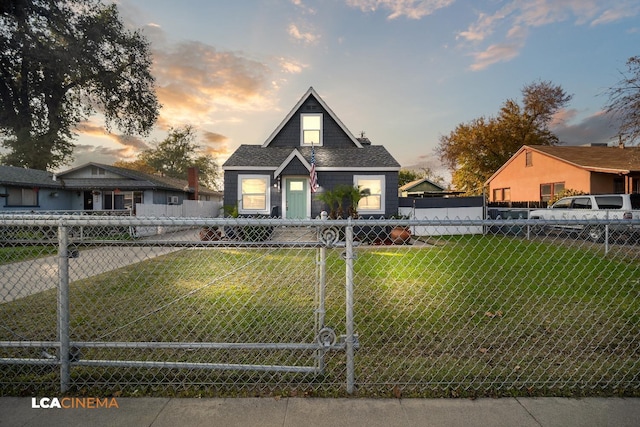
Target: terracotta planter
(400,235)
(209,233)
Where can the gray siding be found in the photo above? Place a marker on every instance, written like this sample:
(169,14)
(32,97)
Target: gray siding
(295,167)
(231,196)
(49,199)
(329,180)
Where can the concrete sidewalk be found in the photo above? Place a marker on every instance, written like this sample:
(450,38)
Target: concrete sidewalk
(170,412)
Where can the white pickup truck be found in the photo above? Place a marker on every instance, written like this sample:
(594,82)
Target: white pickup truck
(600,206)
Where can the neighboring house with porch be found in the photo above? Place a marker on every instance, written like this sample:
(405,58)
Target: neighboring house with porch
(104,187)
(536,173)
(274,178)
(94,186)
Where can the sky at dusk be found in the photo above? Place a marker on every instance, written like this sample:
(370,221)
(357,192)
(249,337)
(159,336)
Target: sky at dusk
(405,72)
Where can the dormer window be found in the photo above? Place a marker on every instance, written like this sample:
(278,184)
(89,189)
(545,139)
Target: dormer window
(311,129)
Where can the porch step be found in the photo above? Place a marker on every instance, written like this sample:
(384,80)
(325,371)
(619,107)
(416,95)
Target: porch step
(294,234)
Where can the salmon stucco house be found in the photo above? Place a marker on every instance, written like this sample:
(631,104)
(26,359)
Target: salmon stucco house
(536,173)
(275,178)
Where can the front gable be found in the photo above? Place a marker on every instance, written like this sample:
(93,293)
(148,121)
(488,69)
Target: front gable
(312,122)
(294,164)
(422,186)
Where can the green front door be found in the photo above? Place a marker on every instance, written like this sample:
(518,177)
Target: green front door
(296,197)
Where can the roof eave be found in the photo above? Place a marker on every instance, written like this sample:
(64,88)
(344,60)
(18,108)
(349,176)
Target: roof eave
(507,163)
(607,170)
(294,154)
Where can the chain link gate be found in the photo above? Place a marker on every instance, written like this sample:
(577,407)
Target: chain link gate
(320,307)
(249,313)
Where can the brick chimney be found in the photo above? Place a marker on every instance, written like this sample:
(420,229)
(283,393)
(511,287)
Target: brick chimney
(192,178)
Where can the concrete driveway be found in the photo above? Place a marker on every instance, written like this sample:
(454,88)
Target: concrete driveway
(20,279)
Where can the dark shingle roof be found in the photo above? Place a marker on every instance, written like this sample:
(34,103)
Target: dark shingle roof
(142,179)
(11,175)
(131,180)
(256,156)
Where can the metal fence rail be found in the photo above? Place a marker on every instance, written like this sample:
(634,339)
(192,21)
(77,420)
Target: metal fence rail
(261,306)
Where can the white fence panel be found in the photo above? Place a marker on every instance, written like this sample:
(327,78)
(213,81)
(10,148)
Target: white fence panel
(440,214)
(201,209)
(188,209)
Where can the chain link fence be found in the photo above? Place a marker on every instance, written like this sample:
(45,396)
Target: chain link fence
(250,307)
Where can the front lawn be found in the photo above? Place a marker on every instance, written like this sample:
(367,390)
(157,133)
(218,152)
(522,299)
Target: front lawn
(470,316)
(25,252)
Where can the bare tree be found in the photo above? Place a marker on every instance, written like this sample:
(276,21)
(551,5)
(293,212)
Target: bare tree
(624,102)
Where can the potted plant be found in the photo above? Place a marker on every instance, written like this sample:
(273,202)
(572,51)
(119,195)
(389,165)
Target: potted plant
(210,233)
(329,198)
(342,192)
(354,195)
(233,232)
(400,234)
(251,233)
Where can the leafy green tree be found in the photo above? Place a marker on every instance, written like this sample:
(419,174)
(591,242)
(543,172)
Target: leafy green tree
(174,155)
(567,192)
(136,165)
(624,102)
(406,176)
(62,61)
(473,151)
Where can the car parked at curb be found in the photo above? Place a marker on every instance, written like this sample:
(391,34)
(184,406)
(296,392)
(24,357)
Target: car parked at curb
(615,207)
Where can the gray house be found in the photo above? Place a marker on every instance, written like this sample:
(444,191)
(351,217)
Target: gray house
(275,178)
(30,189)
(104,187)
(94,186)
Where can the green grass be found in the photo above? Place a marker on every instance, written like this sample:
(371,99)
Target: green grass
(24,253)
(470,316)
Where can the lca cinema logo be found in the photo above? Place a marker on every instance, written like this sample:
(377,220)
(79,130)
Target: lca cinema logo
(74,403)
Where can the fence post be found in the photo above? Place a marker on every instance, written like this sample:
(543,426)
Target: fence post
(322,288)
(349,303)
(63,307)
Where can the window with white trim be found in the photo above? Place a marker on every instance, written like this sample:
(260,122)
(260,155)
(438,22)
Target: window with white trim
(311,129)
(253,194)
(373,203)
